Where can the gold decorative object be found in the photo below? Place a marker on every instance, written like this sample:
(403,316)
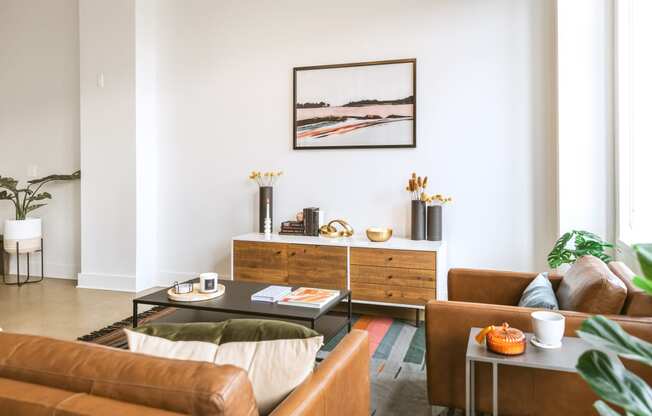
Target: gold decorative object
(378,234)
(329,230)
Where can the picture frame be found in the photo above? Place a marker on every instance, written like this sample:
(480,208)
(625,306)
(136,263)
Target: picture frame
(361,105)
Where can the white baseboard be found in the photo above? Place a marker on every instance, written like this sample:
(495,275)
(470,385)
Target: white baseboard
(166,278)
(101,281)
(51,270)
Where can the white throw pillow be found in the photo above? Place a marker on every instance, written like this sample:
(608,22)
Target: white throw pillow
(275,368)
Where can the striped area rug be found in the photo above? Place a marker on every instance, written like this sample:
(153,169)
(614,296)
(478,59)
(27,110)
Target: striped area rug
(398,368)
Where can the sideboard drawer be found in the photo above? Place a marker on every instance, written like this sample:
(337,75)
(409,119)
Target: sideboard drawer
(317,266)
(260,262)
(392,294)
(408,259)
(393,276)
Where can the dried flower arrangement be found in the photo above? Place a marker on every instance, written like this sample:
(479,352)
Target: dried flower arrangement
(437,199)
(416,186)
(266,178)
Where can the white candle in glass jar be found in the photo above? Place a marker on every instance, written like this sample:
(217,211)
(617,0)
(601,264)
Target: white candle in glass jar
(208,282)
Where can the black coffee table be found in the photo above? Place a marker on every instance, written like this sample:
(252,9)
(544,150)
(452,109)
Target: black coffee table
(236,303)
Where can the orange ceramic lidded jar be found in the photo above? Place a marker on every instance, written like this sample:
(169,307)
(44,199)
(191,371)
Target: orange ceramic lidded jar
(503,339)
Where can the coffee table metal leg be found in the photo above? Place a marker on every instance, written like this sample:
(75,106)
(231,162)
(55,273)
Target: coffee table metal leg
(468,388)
(134,318)
(350,312)
(494,384)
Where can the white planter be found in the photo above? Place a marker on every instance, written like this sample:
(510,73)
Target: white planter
(26,232)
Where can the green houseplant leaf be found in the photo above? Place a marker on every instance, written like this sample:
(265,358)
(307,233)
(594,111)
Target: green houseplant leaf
(607,335)
(604,409)
(614,383)
(575,244)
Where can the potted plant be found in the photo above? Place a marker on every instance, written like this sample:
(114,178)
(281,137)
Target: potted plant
(605,374)
(23,230)
(575,244)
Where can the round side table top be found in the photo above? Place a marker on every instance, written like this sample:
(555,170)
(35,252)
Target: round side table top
(195,295)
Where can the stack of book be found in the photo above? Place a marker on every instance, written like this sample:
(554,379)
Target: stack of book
(311,221)
(271,294)
(292,228)
(308,297)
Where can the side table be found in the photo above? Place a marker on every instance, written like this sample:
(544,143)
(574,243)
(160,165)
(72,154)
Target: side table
(560,359)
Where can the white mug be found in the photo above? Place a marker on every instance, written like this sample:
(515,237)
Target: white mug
(548,327)
(208,282)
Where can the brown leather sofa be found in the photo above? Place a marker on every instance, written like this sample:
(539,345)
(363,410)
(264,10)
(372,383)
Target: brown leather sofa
(478,298)
(43,376)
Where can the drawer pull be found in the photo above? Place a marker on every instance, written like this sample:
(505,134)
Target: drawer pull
(389,277)
(390,259)
(293,254)
(389,295)
(278,252)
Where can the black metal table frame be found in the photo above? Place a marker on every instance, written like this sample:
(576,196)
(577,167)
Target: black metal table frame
(197,307)
(18,282)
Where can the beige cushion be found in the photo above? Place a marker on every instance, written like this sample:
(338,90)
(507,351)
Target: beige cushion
(589,286)
(275,368)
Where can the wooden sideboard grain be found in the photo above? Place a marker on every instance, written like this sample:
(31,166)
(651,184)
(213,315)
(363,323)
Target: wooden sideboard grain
(399,272)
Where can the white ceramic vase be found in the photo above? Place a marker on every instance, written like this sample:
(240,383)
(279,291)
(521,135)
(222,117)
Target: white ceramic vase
(26,232)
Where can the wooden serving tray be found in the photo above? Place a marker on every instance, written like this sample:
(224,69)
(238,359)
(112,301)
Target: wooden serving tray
(195,295)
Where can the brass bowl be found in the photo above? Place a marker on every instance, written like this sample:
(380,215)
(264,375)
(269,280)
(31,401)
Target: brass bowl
(378,234)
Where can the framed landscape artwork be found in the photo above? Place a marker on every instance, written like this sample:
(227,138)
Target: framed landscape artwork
(359,105)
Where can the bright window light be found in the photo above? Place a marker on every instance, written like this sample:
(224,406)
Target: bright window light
(634,119)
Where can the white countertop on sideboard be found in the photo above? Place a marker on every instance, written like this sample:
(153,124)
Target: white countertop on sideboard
(357,240)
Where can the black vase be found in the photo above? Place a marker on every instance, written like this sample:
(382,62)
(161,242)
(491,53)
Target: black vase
(266,194)
(434,223)
(418,230)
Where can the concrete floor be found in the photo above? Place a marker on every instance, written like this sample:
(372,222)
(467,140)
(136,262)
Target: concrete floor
(56,308)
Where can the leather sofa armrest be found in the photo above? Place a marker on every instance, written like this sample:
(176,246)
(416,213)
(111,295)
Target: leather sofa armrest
(447,330)
(339,386)
(490,286)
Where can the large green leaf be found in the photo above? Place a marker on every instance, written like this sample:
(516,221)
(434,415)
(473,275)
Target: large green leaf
(50,178)
(8,183)
(608,335)
(34,207)
(41,196)
(610,380)
(644,254)
(604,409)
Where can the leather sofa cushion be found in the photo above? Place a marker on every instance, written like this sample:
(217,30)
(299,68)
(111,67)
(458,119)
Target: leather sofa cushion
(637,303)
(589,286)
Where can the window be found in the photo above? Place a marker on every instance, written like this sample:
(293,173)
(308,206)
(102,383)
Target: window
(633,69)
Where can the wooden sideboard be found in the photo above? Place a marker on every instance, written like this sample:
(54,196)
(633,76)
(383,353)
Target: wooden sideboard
(399,272)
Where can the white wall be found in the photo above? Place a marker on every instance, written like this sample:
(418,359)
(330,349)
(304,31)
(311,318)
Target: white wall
(39,116)
(485,129)
(108,144)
